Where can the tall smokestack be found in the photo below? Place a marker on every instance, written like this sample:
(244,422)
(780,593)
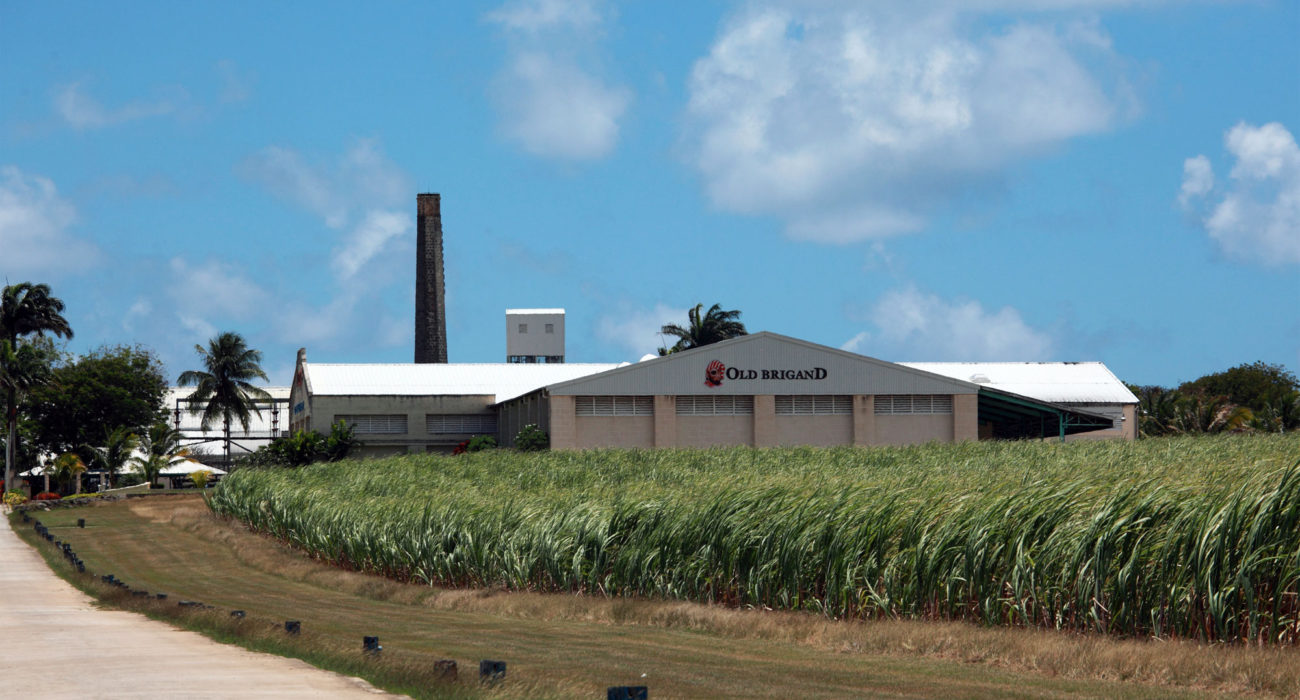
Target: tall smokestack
(430,289)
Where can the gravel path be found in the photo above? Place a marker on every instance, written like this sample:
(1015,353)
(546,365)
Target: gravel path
(56,645)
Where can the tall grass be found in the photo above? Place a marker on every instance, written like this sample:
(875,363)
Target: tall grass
(1172,537)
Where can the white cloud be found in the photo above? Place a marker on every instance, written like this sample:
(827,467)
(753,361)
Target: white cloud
(637,330)
(549,98)
(369,237)
(1198,179)
(918,326)
(215,289)
(850,120)
(81,111)
(857,342)
(542,15)
(34,222)
(1256,215)
(357,194)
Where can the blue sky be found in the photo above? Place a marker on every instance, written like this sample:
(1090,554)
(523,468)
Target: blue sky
(934,180)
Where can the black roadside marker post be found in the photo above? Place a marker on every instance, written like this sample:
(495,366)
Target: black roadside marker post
(627,692)
(491,671)
(237,614)
(293,626)
(370,645)
(81,522)
(446,669)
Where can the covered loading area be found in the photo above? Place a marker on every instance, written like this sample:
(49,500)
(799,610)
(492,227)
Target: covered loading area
(1006,416)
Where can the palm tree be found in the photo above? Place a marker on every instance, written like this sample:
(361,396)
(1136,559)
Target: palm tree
(159,445)
(116,452)
(68,468)
(713,326)
(25,309)
(22,367)
(224,389)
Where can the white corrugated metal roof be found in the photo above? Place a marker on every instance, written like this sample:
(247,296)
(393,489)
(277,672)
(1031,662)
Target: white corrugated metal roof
(1055,382)
(534,311)
(504,381)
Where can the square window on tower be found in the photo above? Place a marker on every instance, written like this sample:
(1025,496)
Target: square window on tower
(523,328)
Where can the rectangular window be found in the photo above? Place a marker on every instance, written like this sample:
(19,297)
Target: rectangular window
(550,328)
(809,405)
(376,425)
(709,405)
(614,405)
(913,404)
(460,424)
(523,328)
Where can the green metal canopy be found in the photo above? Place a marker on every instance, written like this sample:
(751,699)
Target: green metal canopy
(1015,417)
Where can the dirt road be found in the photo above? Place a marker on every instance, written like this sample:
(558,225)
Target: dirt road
(56,645)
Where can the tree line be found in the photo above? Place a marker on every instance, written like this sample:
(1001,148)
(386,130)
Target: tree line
(1255,397)
(104,410)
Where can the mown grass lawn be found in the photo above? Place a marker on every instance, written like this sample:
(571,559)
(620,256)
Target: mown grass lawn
(577,646)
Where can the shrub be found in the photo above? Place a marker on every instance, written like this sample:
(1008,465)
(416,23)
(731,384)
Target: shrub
(531,439)
(15,498)
(47,496)
(480,442)
(200,478)
(304,447)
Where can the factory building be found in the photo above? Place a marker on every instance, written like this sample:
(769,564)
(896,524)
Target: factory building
(762,390)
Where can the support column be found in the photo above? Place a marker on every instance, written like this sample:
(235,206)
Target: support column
(564,425)
(1129,428)
(765,421)
(665,421)
(965,417)
(864,420)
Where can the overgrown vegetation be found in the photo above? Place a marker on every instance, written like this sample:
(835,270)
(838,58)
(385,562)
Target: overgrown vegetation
(1181,537)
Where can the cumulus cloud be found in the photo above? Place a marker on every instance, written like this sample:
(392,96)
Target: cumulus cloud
(214,289)
(82,111)
(360,193)
(915,325)
(849,120)
(550,98)
(1255,216)
(637,330)
(34,222)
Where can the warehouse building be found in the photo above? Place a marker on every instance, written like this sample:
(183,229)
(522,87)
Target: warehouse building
(762,390)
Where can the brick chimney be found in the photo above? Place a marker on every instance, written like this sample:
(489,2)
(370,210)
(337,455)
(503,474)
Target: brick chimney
(430,287)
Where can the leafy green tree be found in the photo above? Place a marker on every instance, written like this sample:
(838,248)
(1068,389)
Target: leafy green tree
(1255,386)
(26,309)
(90,396)
(115,453)
(159,445)
(223,389)
(704,328)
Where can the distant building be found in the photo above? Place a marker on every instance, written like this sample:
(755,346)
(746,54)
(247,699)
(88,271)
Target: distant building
(535,336)
(761,390)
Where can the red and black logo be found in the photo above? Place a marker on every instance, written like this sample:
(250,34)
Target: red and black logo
(714,373)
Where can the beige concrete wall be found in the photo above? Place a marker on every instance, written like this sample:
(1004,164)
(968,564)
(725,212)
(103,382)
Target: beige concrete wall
(819,431)
(765,430)
(326,409)
(563,428)
(614,431)
(913,430)
(864,420)
(710,431)
(665,421)
(965,417)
